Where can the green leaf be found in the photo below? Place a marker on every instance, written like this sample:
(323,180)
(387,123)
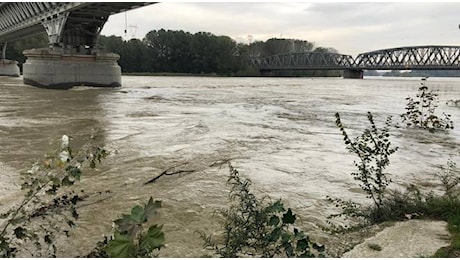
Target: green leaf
(275,207)
(52,190)
(126,225)
(318,247)
(20,233)
(137,215)
(275,234)
(285,237)
(154,239)
(274,221)
(151,208)
(71,223)
(66,181)
(302,245)
(75,199)
(288,217)
(48,239)
(74,212)
(121,246)
(74,172)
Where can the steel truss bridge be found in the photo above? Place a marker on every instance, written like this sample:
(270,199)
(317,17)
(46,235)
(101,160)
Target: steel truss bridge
(404,58)
(71,24)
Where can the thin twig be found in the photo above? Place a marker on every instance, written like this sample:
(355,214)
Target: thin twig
(166,172)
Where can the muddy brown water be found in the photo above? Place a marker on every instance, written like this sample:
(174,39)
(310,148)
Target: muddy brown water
(280,132)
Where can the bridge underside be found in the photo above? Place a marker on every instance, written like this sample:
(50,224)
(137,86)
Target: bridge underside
(73,29)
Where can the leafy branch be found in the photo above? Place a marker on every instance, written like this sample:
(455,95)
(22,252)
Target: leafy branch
(258,228)
(40,215)
(420,112)
(129,238)
(373,149)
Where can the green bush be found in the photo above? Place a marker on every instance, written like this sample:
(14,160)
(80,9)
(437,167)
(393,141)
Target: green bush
(259,228)
(420,112)
(373,149)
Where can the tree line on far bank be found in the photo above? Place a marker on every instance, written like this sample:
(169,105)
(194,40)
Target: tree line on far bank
(177,51)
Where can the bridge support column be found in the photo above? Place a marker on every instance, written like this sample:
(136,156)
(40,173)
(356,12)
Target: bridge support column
(50,68)
(353,74)
(8,67)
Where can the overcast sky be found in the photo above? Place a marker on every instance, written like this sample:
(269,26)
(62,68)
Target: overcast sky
(349,27)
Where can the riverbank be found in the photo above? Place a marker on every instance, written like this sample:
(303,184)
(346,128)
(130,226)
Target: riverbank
(407,239)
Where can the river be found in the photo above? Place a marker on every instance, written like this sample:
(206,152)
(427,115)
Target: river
(279,132)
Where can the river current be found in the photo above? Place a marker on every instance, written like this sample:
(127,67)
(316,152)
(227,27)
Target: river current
(279,132)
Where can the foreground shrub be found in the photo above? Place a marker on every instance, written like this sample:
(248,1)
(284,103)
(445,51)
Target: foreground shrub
(450,178)
(48,209)
(373,149)
(420,111)
(259,228)
(130,237)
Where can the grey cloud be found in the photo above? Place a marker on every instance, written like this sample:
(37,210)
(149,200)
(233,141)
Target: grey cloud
(346,26)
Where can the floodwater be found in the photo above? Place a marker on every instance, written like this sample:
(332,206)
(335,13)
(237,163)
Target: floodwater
(279,132)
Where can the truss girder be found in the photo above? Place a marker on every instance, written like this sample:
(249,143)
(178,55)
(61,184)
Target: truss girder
(404,58)
(409,58)
(303,60)
(84,23)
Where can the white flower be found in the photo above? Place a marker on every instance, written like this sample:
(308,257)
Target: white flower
(64,156)
(34,169)
(64,141)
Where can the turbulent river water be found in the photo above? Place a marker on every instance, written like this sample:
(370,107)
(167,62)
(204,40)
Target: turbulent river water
(279,132)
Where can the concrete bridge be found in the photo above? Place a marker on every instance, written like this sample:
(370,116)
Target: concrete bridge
(72,29)
(404,58)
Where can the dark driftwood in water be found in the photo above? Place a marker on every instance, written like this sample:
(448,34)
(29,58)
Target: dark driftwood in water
(168,173)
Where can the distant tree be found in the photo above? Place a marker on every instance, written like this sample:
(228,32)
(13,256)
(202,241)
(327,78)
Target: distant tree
(275,46)
(14,49)
(325,50)
(171,49)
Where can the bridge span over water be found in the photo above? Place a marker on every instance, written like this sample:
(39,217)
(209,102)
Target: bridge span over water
(73,29)
(403,58)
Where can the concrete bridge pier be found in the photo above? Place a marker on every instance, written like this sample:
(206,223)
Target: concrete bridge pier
(72,59)
(353,74)
(8,67)
(52,68)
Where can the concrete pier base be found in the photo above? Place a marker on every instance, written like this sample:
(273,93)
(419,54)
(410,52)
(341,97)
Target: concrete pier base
(52,69)
(9,68)
(353,74)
